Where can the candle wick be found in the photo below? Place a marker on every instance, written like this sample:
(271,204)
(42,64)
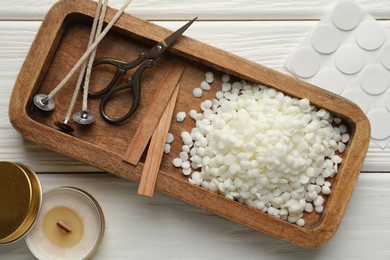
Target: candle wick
(64,227)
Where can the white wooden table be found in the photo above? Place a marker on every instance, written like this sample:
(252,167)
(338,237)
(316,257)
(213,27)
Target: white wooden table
(161,227)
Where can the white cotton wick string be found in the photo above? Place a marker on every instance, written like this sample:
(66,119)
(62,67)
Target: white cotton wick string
(90,41)
(92,57)
(89,51)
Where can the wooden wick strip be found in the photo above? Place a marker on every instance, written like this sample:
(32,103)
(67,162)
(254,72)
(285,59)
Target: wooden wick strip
(156,148)
(152,115)
(64,227)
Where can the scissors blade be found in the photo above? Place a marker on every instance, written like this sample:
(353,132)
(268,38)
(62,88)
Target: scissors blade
(172,38)
(161,47)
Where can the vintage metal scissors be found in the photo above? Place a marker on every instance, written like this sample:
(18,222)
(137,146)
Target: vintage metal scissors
(145,60)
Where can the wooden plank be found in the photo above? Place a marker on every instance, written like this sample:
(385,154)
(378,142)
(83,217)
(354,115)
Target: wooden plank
(156,149)
(138,227)
(206,10)
(270,45)
(152,116)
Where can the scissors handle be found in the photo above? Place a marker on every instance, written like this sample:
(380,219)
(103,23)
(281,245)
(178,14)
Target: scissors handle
(133,83)
(121,69)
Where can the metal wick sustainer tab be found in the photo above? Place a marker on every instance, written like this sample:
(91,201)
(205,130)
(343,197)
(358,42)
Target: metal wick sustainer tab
(43,102)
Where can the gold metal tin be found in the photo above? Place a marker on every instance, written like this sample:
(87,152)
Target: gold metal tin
(20,201)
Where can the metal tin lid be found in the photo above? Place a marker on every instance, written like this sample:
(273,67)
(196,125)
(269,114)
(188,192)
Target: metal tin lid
(20,201)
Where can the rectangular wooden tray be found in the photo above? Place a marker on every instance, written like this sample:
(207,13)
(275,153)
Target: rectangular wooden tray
(61,41)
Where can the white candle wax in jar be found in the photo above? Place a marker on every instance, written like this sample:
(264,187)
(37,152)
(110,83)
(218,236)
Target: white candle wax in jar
(70,226)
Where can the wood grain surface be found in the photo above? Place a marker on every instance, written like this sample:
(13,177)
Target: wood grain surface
(165,228)
(206,10)
(156,148)
(152,116)
(103,145)
(270,43)
(265,32)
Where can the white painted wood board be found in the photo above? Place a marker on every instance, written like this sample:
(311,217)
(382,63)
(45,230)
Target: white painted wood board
(165,228)
(263,31)
(205,9)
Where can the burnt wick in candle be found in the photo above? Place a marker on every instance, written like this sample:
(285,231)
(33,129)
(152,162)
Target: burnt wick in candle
(58,220)
(64,227)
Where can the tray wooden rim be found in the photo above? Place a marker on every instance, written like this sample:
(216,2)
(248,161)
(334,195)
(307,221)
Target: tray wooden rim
(38,60)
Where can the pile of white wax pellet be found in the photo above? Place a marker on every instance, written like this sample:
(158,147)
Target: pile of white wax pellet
(272,152)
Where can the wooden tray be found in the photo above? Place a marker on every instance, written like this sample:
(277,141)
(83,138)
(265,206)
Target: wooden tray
(62,40)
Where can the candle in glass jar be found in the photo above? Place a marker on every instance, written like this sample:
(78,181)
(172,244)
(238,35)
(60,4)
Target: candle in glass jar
(70,226)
